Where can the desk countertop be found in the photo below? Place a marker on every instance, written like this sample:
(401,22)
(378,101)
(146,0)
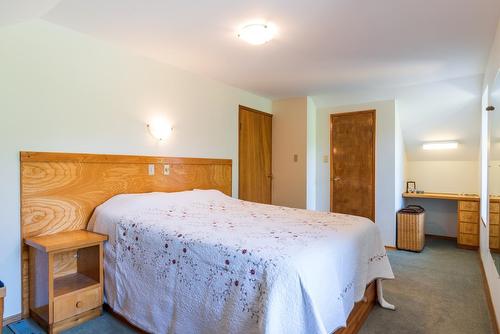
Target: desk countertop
(448,196)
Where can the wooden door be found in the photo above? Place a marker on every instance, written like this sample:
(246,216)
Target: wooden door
(255,151)
(352,163)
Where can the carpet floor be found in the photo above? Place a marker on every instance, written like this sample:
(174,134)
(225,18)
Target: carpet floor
(438,291)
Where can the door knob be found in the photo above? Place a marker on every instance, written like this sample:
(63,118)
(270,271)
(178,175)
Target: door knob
(336,178)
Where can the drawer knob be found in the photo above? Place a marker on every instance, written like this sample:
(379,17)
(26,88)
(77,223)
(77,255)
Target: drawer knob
(79,304)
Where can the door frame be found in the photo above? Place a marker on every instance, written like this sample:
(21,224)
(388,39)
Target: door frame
(373,112)
(240,108)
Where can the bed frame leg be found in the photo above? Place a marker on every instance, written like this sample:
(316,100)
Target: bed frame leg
(380,295)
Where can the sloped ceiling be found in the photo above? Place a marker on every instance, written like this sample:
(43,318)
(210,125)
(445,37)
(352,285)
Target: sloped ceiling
(428,55)
(323,45)
(439,111)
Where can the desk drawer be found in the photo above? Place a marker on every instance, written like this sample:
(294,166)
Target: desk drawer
(469,228)
(468,216)
(494,230)
(75,303)
(468,206)
(494,242)
(468,239)
(494,207)
(494,218)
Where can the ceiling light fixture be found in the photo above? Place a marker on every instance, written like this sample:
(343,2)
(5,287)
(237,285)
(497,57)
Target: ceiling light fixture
(257,33)
(444,145)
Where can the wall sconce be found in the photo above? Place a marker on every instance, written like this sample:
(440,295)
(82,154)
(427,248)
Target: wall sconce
(160,129)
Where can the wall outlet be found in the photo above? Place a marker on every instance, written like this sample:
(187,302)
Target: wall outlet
(166,169)
(151,169)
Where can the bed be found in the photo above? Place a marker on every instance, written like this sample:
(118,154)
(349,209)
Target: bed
(203,262)
(308,283)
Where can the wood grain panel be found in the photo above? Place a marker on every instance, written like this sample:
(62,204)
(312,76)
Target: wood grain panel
(494,218)
(352,166)
(494,207)
(59,191)
(471,240)
(255,155)
(448,196)
(468,206)
(468,216)
(469,228)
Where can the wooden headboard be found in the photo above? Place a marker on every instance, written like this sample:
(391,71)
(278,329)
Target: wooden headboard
(59,191)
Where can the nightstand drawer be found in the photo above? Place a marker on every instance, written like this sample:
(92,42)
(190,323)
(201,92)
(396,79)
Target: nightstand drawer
(468,216)
(75,303)
(468,206)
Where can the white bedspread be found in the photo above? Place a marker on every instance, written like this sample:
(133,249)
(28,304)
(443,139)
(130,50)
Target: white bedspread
(203,262)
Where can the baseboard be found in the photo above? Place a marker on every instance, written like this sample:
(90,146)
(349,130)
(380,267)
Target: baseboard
(390,248)
(12,318)
(486,287)
(442,237)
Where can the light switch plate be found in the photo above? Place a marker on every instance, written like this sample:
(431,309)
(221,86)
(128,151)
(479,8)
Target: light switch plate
(151,169)
(295,157)
(166,169)
(325,159)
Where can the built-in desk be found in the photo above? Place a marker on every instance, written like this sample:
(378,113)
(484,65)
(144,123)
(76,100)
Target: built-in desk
(467,216)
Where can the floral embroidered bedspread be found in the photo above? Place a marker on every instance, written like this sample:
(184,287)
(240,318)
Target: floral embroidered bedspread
(202,262)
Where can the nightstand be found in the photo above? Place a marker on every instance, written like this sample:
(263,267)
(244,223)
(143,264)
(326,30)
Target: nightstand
(65,278)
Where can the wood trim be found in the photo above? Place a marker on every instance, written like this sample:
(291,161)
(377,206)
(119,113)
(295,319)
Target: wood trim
(487,292)
(374,113)
(240,107)
(446,196)
(12,319)
(442,237)
(116,159)
(59,191)
(390,248)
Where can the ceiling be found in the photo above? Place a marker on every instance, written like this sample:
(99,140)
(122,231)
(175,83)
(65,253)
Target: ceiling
(427,55)
(439,111)
(322,45)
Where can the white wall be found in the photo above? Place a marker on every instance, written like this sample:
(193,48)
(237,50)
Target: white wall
(63,91)
(401,166)
(494,178)
(489,266)
(290,118)
(385,163)
(442,177)
(445,176)
(311,154)
(435,111)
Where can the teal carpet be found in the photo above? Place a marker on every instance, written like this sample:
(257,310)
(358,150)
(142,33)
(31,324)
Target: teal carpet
(438,291)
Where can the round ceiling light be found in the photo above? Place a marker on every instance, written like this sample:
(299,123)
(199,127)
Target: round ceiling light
(257,33)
